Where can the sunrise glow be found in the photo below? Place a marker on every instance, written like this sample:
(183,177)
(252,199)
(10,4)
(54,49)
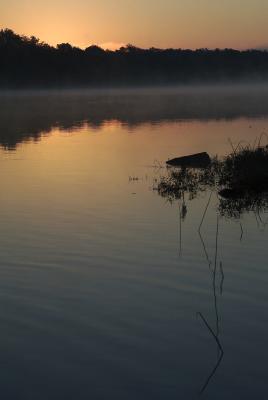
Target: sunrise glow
(110,23)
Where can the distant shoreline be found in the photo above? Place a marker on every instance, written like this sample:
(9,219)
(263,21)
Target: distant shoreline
(27,63)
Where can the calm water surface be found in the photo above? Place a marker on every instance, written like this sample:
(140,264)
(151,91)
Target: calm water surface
(100,281)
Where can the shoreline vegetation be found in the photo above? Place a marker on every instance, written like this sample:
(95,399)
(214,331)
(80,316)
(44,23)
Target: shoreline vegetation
(240,180)
(26,62)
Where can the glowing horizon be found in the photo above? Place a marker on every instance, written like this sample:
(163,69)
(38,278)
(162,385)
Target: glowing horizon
(110,24)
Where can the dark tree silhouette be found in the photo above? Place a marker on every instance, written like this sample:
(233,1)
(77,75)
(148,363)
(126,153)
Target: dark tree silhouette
(27,62)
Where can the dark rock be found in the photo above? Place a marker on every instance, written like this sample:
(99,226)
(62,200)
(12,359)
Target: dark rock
(198,160)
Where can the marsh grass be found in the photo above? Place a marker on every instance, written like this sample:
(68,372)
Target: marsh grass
(245,170)
(240,179)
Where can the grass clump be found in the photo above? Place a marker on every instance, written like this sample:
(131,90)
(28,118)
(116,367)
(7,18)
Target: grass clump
(245,171)
(240,178)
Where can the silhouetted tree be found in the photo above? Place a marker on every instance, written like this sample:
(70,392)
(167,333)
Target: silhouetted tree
(25,61)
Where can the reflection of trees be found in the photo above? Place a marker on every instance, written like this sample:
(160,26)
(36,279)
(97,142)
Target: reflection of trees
(26,115)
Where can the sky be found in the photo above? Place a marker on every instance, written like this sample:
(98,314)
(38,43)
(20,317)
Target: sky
(192,24)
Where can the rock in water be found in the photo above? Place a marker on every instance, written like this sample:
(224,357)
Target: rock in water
(198,160)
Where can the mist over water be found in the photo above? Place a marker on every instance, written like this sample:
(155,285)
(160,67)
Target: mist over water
(29,114)
(101,280)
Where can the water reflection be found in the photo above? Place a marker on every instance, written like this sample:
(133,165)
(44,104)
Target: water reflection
(180,183)
(214,332)
(244,172)
(90,267)
(217,267)
(26,116)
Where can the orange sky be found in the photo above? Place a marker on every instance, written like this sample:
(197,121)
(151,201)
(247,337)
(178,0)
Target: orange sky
(145,23)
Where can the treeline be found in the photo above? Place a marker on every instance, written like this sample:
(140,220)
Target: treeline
(27,62)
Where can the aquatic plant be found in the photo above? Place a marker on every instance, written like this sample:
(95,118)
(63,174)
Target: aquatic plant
(243,171)
(181,180)
(240,179)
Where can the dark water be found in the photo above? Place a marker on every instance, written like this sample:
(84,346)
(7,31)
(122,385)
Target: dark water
(100,282)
